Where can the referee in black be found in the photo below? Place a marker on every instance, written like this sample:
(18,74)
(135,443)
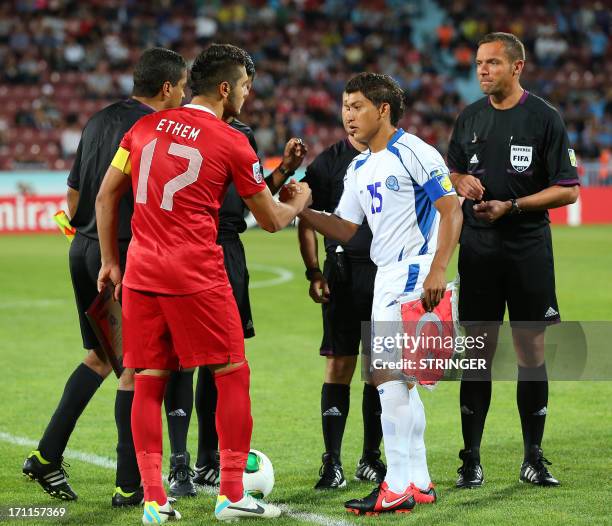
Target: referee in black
(159,80)
(179,399)
(511,160)
(345,288)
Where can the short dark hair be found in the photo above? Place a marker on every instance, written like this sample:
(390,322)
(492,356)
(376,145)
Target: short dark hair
(156,66)
(515,50)
(379,88)
(216,64)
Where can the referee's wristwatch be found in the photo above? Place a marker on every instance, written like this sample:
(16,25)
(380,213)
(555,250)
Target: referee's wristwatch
(311,272)
(515,208)
(285,172)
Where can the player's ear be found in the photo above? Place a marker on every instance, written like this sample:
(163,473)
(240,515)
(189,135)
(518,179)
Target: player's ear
(165,89)
(224,89)
(385,110)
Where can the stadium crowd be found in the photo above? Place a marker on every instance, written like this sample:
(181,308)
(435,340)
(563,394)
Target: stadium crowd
(64,60)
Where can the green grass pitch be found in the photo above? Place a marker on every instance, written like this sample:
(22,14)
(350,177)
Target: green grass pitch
(40,346)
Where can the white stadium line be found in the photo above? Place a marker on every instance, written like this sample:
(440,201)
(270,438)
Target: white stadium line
(108,463)
(36,304)
(282,276)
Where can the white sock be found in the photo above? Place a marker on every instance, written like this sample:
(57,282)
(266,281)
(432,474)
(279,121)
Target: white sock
(396,419)
(418,454)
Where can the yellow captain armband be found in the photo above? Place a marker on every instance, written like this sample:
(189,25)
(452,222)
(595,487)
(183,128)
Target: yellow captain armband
(121,161)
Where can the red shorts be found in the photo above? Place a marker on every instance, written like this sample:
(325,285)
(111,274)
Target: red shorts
(169,332)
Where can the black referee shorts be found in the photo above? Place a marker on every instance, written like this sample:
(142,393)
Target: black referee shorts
(238,275)
(350,303)
(498,268)
(84,261)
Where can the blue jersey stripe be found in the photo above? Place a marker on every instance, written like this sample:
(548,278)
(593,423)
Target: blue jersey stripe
(413,276)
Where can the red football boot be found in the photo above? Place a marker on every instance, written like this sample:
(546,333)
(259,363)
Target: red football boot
(382,500)
(424,496)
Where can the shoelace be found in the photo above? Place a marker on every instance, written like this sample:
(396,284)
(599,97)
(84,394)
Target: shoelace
(541,464)
(63,466)
(181,473)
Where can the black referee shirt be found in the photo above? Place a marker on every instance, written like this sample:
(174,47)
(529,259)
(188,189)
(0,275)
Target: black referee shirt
(325,176)
(99,143)
(232,211)
(515,153)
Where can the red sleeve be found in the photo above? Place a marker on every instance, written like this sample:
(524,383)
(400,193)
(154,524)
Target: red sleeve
(246,170)
(126,142)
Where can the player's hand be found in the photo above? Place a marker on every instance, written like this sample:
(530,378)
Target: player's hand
(319,290)
(491,210)
(110,272)
(434,288)
(289,191)
(295,151)
(298,195)
(469,186)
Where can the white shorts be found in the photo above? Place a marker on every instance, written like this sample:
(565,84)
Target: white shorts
(394,281)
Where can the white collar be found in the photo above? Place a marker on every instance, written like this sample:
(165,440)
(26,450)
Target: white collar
(200,107)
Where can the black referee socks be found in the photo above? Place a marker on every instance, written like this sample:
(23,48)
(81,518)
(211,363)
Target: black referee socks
(335,402)
(80,388)
(532,401)
(206,408)
(178,402)
(128,476)
(372,428)
(474,399)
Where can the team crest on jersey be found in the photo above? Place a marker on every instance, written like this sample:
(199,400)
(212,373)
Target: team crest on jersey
(572,157)
(520,157)
(392,183)
(257,172)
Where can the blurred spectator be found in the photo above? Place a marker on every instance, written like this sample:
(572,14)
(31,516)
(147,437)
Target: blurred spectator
(71,135)
(305,51)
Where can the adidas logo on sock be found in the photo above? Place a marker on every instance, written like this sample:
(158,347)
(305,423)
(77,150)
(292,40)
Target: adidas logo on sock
(474,159)
(177,412)
(332,411)
(541,412)
(550,312)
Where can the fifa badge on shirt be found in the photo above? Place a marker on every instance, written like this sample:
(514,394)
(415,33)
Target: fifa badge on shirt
(520,157)
(572,157)
(392,183)
(257,172)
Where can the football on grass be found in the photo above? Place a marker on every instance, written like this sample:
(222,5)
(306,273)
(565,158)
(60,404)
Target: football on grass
(258,478)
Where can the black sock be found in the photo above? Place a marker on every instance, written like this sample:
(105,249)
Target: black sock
(206,407)
(178,402)
(335,401)
(532,399)
(128,476)
(474,401)
(372,428)
(80,387)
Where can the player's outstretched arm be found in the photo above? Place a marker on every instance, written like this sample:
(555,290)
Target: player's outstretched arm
(451,220)
(272,215)
(309,248)
(114,185)
(330,225)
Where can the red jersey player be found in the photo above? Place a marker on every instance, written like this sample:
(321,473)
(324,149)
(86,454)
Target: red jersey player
(178,307)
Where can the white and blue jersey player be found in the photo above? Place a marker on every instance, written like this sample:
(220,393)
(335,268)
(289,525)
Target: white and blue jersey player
(401,186)
(395,190)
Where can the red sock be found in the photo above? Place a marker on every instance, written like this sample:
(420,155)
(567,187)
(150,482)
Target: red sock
(234,427)
(147,432)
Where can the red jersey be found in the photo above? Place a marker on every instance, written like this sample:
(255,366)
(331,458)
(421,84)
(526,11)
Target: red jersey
(182,161)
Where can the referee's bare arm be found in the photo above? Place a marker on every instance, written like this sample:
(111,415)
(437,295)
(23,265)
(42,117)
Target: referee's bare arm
(467,186)
(114,185)
(551,197)
(451,220)
(330,225)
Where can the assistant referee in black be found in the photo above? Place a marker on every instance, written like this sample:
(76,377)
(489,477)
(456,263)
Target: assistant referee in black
(159,81)
(510,158)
